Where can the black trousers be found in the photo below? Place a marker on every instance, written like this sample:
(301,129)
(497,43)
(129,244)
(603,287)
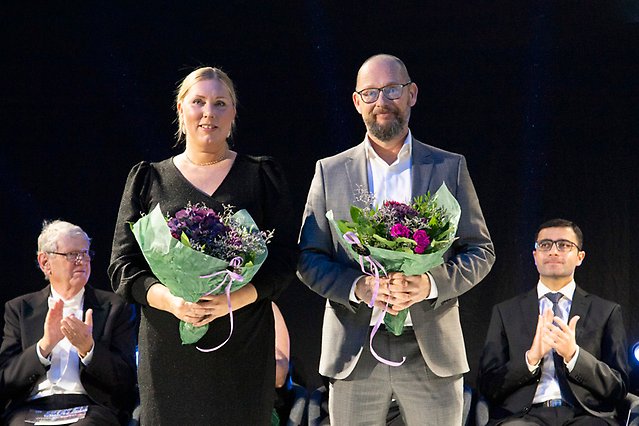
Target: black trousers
(554,416)
(96,414)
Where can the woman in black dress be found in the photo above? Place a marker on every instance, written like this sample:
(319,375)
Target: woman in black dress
(180,385)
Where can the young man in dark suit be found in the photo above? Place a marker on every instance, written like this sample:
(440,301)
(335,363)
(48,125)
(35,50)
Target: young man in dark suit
(555,355)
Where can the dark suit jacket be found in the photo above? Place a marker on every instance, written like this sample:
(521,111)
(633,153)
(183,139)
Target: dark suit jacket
(600,376)
(330,271)
(110,377)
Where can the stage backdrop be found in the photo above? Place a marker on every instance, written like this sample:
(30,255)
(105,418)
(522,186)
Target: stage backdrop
(541,97)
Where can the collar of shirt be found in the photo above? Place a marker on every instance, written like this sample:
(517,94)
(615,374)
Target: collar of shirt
(565,303)
(390,182)
(568,291)
(75,303)
(403,157)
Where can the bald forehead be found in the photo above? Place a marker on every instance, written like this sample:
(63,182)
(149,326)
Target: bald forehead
(382,65)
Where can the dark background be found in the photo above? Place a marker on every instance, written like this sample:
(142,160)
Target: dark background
(542,97)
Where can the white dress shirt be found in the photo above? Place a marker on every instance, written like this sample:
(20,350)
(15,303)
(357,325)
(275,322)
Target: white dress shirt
(548,387)
(63,376)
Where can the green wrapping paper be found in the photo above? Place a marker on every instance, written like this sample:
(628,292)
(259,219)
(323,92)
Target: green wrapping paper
(179,267)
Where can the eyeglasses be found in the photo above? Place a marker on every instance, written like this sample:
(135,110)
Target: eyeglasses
(76,256)
(562,245)
(391,92)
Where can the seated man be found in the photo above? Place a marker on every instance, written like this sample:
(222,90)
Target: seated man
(67,345)
(556,354)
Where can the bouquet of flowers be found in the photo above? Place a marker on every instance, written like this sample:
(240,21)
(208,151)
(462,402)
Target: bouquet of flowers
(200,252)
(398,237)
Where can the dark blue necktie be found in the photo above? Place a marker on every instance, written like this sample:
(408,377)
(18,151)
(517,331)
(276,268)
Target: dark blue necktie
(560,366)
(554,298)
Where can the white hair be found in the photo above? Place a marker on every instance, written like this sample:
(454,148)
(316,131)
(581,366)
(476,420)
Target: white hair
(52,231)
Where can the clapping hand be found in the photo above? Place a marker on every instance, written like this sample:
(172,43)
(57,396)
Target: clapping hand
(540,346)
(79,333)
(52,331)
(561,337)
(56,328)
(553,333)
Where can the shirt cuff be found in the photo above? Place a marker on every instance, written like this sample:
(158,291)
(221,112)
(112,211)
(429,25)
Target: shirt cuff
(88,357)
(570,365)
(351,296)
(45,361)
(531,367)
(433,288)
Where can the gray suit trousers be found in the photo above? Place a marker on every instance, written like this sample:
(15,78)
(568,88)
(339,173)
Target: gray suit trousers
(364,397)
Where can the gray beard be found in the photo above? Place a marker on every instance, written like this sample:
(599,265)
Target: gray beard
(387,132)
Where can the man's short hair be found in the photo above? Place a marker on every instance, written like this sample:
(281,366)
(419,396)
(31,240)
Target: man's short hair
(563,223)
(53,230)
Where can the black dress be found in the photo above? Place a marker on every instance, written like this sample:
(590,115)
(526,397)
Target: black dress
(180,385)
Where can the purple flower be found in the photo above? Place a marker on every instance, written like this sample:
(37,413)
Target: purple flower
(217,235)
(400,210)
(182,214)
(173,226)
(212,224)
(421,238)
(201,225)
(399,230)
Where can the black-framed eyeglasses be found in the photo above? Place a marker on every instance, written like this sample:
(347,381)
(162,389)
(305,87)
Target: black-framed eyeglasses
(391,92)
(562,245)
(76,256)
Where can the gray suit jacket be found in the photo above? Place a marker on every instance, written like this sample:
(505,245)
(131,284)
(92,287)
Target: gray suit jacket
(328,269)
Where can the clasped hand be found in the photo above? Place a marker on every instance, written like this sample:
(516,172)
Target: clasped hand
(56,328)
(201,312)
(398,290)
(553,333)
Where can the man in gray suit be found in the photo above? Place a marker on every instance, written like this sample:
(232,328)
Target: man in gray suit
(393,165)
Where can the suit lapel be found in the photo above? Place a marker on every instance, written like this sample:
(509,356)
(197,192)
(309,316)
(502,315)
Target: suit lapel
(529,305)
(580,306)
(422,168)
(35,312)
(357,172)
(100,311)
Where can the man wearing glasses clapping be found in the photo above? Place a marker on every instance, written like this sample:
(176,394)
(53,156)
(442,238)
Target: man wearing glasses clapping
(556,354)
(68,350)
